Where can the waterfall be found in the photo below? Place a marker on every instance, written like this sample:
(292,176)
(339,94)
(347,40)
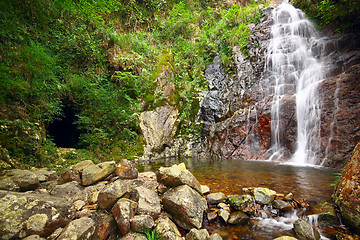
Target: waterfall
(293,73)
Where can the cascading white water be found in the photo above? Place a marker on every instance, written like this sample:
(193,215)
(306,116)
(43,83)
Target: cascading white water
(292,71)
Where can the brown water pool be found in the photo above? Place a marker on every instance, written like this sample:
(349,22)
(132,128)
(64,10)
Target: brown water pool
(229,176)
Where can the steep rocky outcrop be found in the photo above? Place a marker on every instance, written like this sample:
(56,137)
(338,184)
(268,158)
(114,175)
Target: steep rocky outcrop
(243,128)
(159,127)
(347,190)
(340,116)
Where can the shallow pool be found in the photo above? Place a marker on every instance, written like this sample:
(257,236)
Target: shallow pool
(230,176)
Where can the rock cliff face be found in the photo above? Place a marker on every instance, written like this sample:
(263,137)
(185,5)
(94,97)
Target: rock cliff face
(235,112)
(240,124)
(340,118)
(346,194)
(158,127)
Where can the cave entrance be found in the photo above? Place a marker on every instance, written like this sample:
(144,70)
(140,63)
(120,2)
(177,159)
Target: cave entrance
(63,131)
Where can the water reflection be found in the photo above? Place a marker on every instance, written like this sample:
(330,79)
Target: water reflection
(230,176)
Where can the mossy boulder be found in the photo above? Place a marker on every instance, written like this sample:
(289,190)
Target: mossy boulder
(25,214)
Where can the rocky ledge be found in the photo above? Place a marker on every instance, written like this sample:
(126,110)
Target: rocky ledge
(114,201)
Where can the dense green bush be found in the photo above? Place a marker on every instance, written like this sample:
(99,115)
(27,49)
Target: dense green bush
(108,59)
(339,15)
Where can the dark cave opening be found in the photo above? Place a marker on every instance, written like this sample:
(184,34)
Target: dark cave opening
(63,131)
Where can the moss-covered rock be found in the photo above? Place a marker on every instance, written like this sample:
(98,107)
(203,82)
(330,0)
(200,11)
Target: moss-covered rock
(25,214)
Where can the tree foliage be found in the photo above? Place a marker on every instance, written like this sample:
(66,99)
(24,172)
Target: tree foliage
(110,60)
(340,15)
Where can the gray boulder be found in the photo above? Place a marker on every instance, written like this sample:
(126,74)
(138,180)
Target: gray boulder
(69,175)
(70,191)
(45,175)
(80,166)
(127,170)
(123,210)
(79,229)
(264,195)
(224,214)
(105,225)
(196,234)
(19,180)
(238,218)
(95,173)
(111,193)
(25,214)
(134,236)
(305,230)
(167,229)
(186,206)
(215,198)
(178,175)
(204,189)
(282,205)
(149,202)
(215,237)
(140,222)
(34,237)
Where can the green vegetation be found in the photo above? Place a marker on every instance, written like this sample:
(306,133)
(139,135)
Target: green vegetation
(339,15)
(108,60)
(151,234)
(337,177)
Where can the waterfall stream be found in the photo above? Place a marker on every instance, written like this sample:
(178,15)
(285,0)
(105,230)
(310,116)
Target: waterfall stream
(293,73)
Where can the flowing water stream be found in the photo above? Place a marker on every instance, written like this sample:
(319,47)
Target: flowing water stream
(293,72)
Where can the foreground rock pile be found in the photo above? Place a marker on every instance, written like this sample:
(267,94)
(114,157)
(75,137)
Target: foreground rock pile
(115,201)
